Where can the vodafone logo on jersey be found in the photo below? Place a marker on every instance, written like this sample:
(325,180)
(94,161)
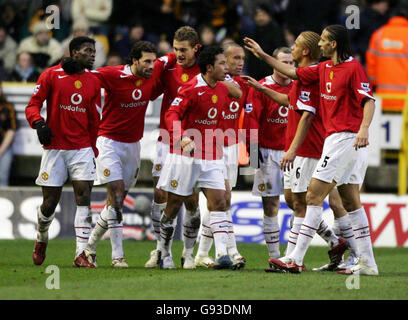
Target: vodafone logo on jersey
(76,98)
(328,87)
(136,94)
(234,106)
(212,113)
(283,111)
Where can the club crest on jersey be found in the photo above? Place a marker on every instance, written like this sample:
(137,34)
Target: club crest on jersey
(76,98)
(184,77)
(328,87)
(174,183)
(44,176)
(304,96)
(138,83)
(158,167)
(106,172)
(212,113)
(365,86)
(261,187)
(214,98)
(331,75)
(78,84)
(136,94)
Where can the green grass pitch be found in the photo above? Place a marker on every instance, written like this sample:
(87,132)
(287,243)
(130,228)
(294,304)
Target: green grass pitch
(20,279)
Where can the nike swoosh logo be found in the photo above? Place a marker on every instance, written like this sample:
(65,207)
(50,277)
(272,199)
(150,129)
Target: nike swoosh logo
(61,77)
(124,76)
(201,93)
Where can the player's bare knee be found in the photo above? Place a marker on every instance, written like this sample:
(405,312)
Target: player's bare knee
(313,199)
(48,206)
(299,207)
(217,204)
(159,196)
(191,204)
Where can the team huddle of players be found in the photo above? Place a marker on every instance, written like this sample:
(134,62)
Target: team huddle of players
(305,129)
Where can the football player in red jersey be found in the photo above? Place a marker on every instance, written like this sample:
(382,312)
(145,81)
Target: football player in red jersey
(195,159)
(270,118)
(235,56)
(186,48)
(68,135)
(129,88)
(347,110)
(303,148)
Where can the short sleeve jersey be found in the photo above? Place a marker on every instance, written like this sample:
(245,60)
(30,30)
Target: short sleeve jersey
(267,116)
(199,108)
(230,117)
(343,87)
(305,98)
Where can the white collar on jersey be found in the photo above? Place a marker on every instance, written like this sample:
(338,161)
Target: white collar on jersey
(126,70)
(200,81)
(347,60)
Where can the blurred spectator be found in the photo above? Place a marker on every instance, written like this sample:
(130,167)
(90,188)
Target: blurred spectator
(163,48)
(45,50)
(97,12)
(372,17)
(226,41)
(7,130)
(114,59)
(207,35)
(11,19)
(37,11)
(80,28)
(269,35)
(387,60)
(24,71)
(311,15)
(123,46)
(8,49)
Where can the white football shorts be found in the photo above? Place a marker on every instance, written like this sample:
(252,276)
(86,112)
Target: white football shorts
(162,150)
(298,178)
(230,157)
(117,161)
(268,180)
(340,162)
(57,164)
(184,175)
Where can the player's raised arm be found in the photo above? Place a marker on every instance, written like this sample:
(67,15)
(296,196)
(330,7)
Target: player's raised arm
(233,89)
(278,97)
(256,49)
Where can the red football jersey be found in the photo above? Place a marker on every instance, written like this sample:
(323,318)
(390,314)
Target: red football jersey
(173,79)
(342,90)
(199,108)
(267,116)
(72,102)
(126,99)
(305,98)
(230,117)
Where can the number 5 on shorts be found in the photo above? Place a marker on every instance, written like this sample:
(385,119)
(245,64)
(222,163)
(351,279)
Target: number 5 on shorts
(324,164)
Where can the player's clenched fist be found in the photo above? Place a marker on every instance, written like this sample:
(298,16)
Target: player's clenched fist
(44,133)
(187,145)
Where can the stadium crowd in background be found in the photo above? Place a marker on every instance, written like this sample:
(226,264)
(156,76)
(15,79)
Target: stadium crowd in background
(273,23)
